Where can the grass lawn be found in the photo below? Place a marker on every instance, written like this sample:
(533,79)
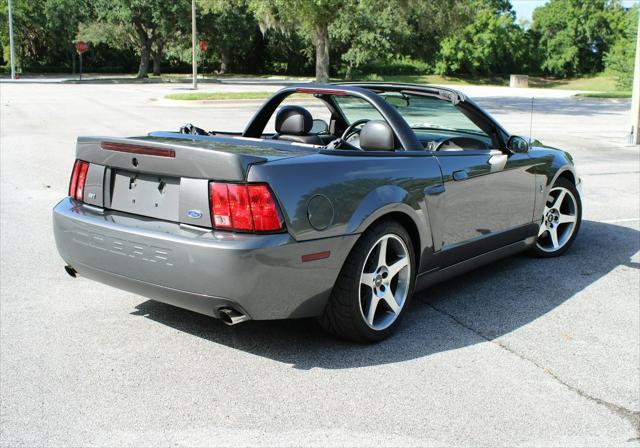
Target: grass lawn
(610,94)
(439,79)
(600,82)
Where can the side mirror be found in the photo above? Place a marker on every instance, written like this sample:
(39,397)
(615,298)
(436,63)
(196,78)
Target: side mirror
(517,144)
(319,127)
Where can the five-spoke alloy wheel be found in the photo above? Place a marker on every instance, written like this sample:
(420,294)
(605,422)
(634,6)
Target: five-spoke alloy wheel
(384,282)
(560,220)
(374,287)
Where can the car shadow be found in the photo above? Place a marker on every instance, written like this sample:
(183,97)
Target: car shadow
(483,304)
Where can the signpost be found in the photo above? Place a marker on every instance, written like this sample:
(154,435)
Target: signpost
(203,46)
(635,97)
(194,61)
(13,57)
(81,47)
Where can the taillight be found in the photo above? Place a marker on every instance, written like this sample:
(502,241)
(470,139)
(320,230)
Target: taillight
(264,209)
(78,179)
(244,207)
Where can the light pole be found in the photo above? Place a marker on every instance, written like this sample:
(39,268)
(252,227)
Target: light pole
(194,61)
(13,57)
(635,98)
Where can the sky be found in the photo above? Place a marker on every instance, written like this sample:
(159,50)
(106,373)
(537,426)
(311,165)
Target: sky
(524,8)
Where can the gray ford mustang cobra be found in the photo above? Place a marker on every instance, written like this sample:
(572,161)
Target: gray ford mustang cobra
(341,219)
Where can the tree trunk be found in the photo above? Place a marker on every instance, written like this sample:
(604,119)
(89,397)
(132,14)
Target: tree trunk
(143,69)
(156,65)
(156,55)
(321,42)
(349,74)
(145,51)
(224,61)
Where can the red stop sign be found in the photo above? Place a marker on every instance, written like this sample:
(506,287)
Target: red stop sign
(203,45)
(81,46)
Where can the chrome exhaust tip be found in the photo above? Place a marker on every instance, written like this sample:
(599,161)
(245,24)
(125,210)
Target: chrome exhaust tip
(69,270)
(231,317)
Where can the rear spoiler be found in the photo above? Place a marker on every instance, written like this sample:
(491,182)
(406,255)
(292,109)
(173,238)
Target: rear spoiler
(211,159)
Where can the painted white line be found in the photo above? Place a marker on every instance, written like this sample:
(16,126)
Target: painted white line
(614,221)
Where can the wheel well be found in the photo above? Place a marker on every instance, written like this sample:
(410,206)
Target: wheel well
(569,176)
(405,221)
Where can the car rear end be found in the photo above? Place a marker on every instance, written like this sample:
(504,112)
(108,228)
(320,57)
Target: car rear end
(176,221)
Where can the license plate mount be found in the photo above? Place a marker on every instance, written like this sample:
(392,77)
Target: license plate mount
(146,194)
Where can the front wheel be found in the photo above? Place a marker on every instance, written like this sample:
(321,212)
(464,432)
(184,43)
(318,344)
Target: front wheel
(374,287)
(560,220)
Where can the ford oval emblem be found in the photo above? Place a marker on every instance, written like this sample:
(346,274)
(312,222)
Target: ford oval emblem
(194,214)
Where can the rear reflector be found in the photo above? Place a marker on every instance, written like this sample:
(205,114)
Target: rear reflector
(244,207)
(138,149)
(316,256)
(78,179)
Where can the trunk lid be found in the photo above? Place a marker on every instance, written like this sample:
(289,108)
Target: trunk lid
(166,175)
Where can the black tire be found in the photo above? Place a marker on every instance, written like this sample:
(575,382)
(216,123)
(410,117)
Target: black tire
(537,250)
(343,316)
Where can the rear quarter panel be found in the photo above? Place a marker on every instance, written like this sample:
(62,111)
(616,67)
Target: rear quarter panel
(360,189)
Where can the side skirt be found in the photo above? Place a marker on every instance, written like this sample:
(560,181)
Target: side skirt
(430,278)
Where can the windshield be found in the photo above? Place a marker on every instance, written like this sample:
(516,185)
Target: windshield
(354,108)
(420,112)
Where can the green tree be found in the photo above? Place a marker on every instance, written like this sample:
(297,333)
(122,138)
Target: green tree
(232,32)
(287,52)
(63,20)
(44,31)
(620,58)
(30,31)
(432,22)
(574,35)
(144,25)
(371,31)
(311,17)
(491,44)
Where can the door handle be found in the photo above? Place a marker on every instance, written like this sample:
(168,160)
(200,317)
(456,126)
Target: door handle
(460,175)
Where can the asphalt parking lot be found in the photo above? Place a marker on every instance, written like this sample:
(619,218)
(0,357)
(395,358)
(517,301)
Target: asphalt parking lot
(524,352)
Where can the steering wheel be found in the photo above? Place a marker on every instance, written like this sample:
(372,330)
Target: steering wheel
(341,142)
(351,129)
(462,143)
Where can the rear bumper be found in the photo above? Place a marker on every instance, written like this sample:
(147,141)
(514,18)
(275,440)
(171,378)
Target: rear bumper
(201,270)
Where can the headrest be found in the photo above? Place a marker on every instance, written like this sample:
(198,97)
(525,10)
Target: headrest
(293,120)
(376,135)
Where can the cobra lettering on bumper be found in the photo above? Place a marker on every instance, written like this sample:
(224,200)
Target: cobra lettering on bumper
(132,249)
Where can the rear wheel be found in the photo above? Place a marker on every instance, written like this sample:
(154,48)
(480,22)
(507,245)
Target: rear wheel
(374,287)
(560,220)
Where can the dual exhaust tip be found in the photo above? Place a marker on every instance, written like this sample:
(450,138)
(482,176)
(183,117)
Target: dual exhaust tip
(231,317)
(227,315)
